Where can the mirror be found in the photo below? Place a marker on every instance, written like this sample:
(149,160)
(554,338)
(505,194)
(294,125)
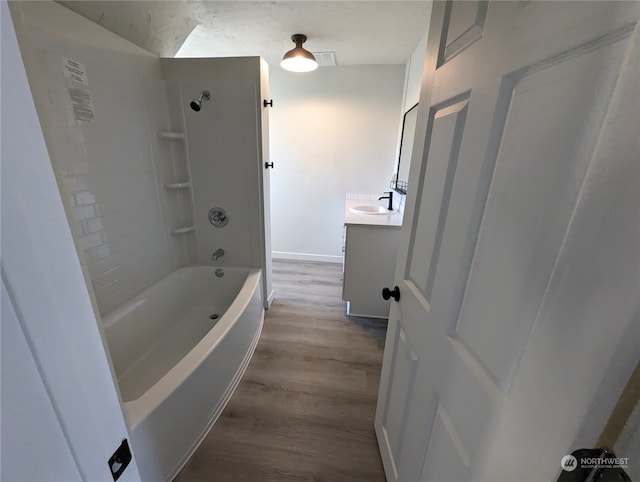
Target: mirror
(406,147)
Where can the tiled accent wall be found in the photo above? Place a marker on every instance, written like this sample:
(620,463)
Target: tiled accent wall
(105,167)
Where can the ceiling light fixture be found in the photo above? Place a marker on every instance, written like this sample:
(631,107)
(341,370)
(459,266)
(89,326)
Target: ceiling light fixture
(299,59)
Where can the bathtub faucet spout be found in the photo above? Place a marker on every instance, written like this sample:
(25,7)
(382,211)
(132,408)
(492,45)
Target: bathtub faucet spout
(217,255)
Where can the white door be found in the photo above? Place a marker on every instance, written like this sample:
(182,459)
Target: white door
(62,419)
(519,268)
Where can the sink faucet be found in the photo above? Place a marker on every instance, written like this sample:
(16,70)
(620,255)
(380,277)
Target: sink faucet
(217,255)
(389,197)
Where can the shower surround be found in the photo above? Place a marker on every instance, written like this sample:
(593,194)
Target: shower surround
(138,171)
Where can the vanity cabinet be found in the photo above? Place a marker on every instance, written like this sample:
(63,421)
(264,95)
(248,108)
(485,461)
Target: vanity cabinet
(369,264)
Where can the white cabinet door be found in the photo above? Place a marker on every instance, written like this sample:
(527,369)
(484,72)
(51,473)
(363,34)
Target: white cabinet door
(518,270)
(369,262)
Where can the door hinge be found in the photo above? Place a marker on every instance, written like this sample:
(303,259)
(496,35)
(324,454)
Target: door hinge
(120,460)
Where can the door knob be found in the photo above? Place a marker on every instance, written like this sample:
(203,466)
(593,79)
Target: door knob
(394,293)
(268,165)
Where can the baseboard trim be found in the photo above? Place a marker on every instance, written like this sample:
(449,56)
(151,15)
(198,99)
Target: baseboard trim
(361,315)
(326,258)
(269,301)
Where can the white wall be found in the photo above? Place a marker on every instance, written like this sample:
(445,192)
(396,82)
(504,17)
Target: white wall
(333,131)
(104,168)
(413,72)
(412,85)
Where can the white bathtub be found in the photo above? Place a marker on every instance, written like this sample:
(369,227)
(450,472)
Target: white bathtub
(177,367)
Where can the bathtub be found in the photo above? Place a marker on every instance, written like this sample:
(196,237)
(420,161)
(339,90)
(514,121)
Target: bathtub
(178,350)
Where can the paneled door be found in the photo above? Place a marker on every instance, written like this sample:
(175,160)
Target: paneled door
(519,267)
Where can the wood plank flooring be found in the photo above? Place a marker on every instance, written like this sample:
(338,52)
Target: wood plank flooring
(305,407)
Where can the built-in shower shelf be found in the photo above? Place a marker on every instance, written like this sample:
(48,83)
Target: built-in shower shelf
(177,185)
(183,230)
(171,136)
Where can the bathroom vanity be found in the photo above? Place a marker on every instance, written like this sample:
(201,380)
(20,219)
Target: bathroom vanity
(371,239)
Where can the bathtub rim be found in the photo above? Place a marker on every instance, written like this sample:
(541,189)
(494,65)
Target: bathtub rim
(137,410)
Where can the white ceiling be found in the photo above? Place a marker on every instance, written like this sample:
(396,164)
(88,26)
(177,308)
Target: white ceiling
(359,32)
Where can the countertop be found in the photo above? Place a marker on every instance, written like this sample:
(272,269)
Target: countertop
(393,220)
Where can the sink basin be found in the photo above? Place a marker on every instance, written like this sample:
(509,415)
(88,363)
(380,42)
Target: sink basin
(369,209)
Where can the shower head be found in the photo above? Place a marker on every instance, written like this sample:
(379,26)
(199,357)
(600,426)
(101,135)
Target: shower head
(196,104)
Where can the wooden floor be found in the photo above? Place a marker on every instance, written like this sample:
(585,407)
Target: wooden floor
(304,409)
